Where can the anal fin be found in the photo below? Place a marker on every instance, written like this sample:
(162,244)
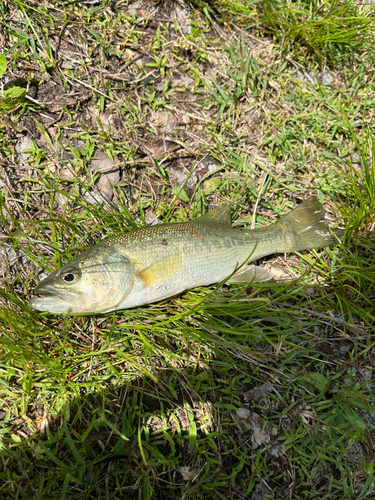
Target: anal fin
(253,274)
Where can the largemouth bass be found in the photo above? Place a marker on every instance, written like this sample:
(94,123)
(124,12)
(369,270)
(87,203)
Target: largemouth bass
(153,263)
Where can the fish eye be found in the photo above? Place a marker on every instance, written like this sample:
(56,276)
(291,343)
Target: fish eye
(69,277)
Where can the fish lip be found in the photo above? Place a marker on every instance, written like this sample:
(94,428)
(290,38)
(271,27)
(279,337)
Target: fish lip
(45,291)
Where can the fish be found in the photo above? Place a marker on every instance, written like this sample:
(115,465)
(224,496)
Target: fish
(154,263)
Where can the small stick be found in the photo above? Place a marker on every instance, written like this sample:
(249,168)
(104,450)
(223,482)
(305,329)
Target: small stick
(264,177)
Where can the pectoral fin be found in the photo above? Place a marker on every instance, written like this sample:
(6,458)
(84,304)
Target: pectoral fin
(252,274)
(161,270)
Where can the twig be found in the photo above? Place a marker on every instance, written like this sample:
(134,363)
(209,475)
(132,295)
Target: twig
(263,180)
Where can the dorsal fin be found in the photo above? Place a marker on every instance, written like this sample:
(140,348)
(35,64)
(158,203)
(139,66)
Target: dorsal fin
(219,215)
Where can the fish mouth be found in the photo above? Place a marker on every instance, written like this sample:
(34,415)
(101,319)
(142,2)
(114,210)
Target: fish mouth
(51,301)
(46,291)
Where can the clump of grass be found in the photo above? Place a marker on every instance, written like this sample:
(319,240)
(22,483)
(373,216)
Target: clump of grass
(332,31)
(355,270)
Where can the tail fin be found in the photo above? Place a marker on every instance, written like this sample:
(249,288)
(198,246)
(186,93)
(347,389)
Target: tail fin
(304,228)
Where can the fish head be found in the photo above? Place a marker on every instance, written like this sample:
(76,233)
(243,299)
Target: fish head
(96,281)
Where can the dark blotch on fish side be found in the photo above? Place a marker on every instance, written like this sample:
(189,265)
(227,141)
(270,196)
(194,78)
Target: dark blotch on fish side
(164,242)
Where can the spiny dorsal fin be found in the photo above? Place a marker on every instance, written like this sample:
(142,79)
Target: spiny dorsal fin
(219,215)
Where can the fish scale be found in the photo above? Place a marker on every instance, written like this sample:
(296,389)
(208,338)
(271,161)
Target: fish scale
(154,263)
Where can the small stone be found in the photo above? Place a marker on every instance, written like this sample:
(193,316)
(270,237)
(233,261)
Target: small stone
(184,21)
(187,80)
(345,346)
(8,257)
(61,200)
(261,492)
(151,218)
(68,173)
(202,170)
(178,174)
(24,143)
(324,78)
(277,449)
(366,374)
(133,7)
(93,198)
(243,413)
(303,76)
(159,86)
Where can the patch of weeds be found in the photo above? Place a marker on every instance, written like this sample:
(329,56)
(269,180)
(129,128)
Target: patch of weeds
(34,35)
(353,271)
(333,30)
(324,430)
(328,30)
(12,97)
(241,75)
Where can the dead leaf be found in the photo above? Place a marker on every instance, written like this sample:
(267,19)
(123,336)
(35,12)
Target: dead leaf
(110,173)
(188,473)
(243,413)
(260,435)
(258,392)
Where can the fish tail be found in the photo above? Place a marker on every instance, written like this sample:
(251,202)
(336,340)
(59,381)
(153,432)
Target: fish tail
(304,228)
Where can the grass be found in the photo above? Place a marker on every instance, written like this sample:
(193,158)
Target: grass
(330,31)
(217,103)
